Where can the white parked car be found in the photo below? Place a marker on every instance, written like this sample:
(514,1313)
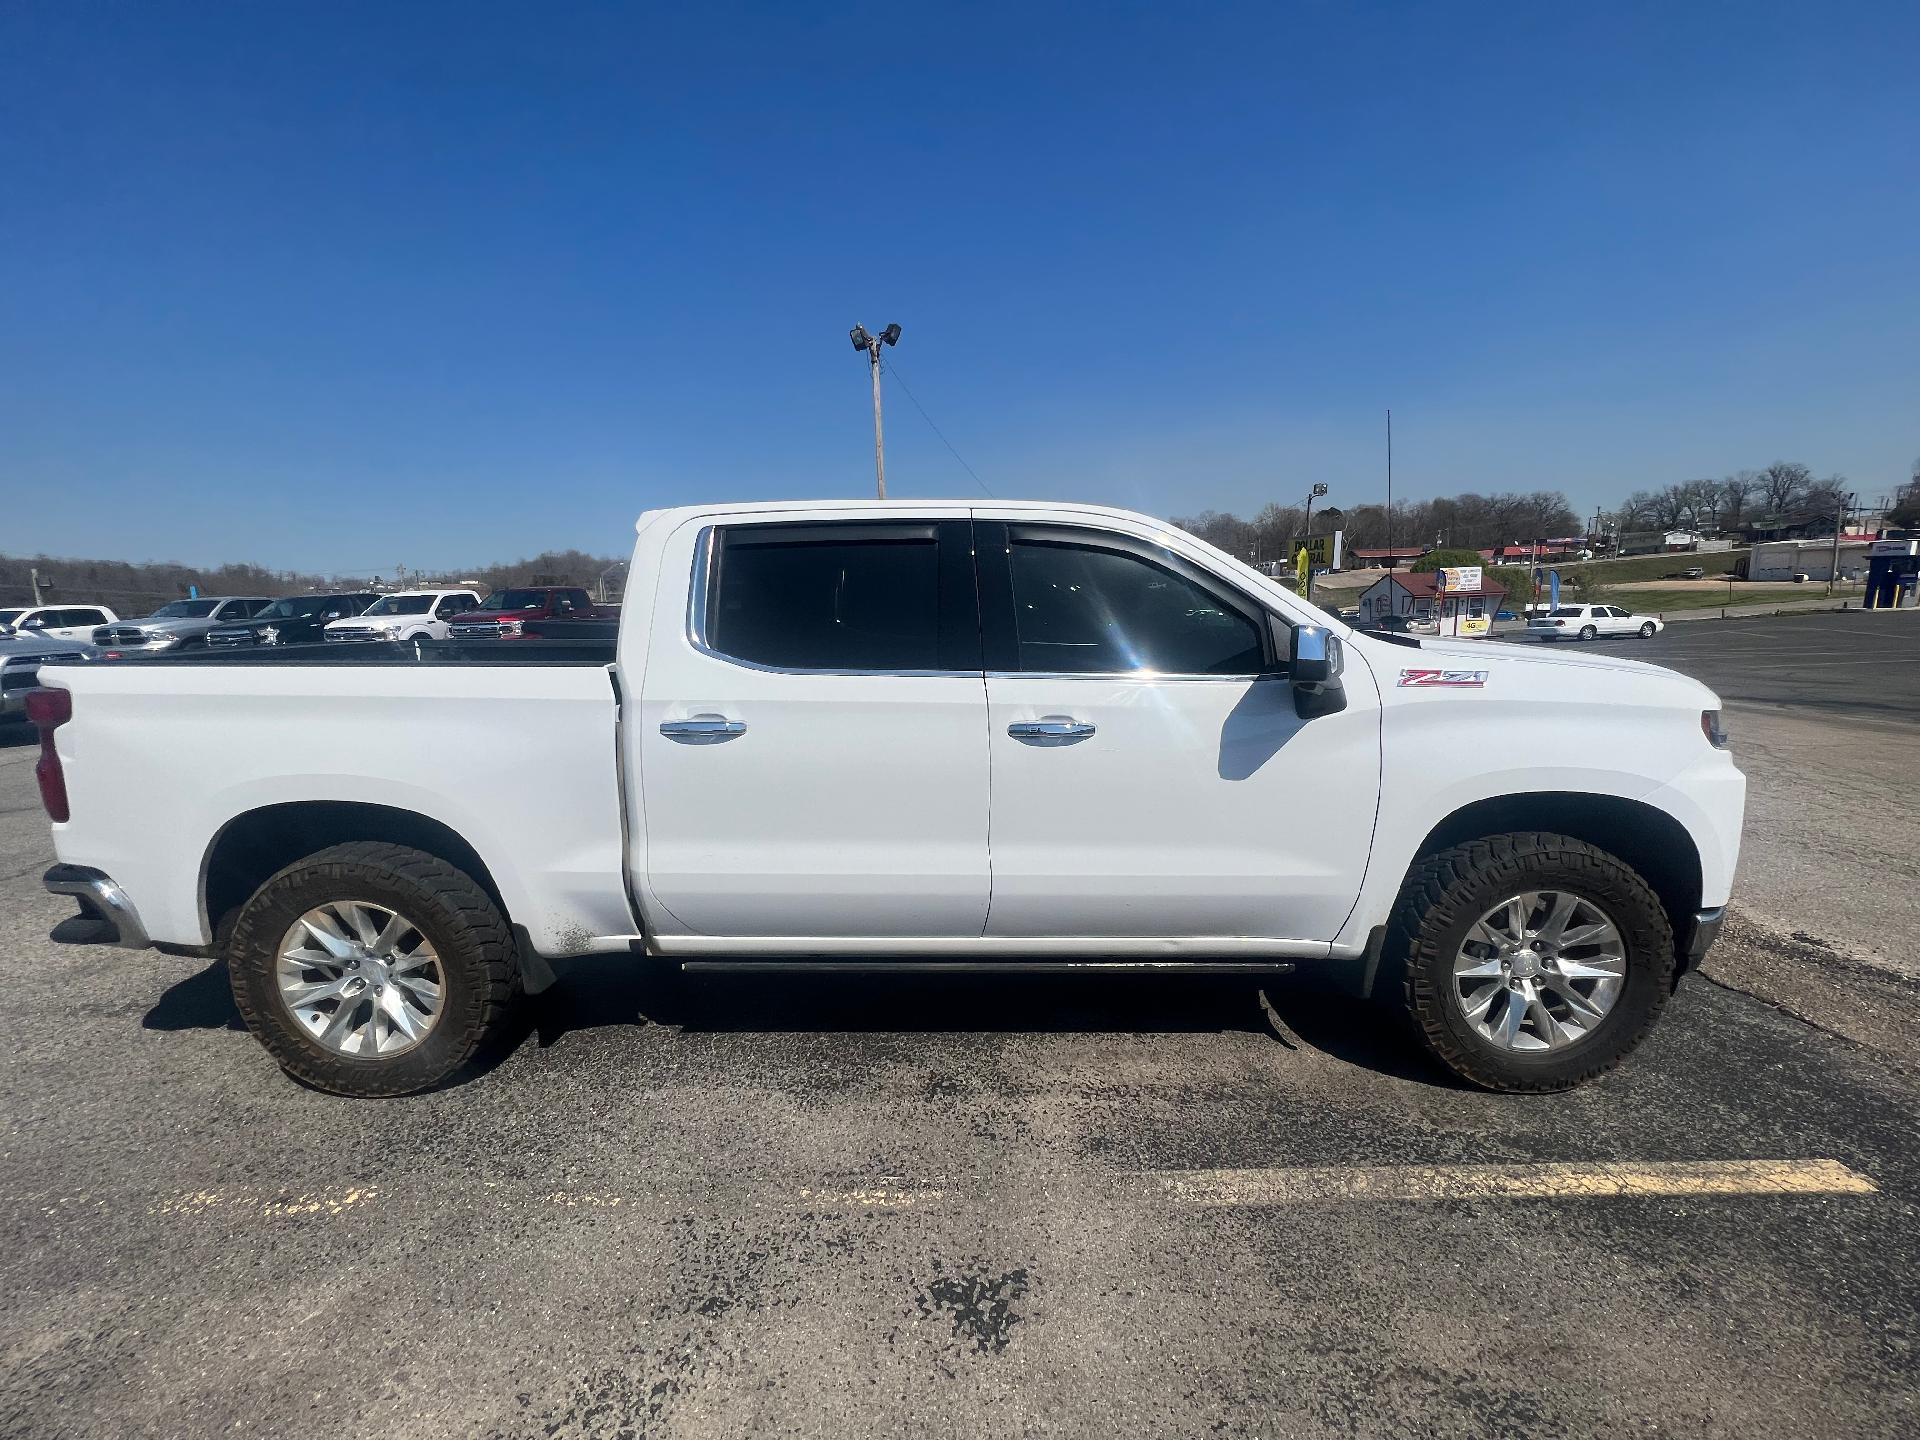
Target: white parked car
(410,615)
(855,735)
(53,622)
(1586,622)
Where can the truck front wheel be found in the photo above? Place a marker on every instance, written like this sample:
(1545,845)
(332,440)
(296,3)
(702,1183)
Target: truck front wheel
(1533,962)
(370,969)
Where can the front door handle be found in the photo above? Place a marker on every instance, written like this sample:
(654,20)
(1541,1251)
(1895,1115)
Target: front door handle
(1053,728)
(703,728)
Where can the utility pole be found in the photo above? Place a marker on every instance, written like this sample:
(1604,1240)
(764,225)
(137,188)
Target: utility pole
(1839,523)
(871,344)
(33,579)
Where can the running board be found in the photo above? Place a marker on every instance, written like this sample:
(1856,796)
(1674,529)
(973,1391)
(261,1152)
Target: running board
(986,967)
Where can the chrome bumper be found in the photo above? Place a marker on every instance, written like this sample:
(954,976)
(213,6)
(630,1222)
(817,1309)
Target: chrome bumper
(101,897)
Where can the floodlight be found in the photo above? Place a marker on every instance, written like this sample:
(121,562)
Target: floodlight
(861,339)
(891,334)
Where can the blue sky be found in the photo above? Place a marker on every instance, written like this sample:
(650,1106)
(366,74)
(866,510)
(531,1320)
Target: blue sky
(343,286)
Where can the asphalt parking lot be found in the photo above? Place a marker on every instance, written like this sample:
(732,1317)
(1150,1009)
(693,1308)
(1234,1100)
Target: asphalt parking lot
(1158,1206)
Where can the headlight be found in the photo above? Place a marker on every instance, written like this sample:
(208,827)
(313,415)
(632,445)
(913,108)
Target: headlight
(511,627)
(391,632)
(162,638)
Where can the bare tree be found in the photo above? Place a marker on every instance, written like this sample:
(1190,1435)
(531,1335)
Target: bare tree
(1782,484)
(1736,493)
(1704,501)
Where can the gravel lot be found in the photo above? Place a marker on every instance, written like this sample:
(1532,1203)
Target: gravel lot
(1078,1208)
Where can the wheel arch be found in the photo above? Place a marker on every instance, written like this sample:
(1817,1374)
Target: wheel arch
(1646,837)
(256,844)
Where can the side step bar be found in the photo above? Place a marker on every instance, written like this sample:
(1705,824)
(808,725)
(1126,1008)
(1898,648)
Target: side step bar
(986,967)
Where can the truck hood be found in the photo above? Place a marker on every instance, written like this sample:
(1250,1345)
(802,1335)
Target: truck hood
(172,625)
(488,617)
(1540,664)
(24,647)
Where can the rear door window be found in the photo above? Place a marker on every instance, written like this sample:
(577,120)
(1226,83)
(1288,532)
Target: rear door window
(833,597)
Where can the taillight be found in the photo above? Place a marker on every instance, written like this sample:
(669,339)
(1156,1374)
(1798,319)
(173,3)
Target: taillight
(47,711)
(1711,727)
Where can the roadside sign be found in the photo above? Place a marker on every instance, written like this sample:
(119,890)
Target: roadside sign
(1323,551)
(1456,578)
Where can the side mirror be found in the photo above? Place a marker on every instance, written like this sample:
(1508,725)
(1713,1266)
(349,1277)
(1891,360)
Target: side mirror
(1310,655)
(1314,663)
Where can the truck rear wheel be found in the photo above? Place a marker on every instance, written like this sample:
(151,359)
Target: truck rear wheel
(1533,962)
(370,969)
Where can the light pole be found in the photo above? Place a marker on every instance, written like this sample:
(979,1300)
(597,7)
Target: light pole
(603,578)
(1311,494)
(871,344)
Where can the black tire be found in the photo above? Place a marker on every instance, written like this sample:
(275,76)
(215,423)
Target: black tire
(478,961)
(1589,632)
(1445,893)
(1646,630)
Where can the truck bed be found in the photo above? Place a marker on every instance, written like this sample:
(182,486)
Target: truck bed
(510,745)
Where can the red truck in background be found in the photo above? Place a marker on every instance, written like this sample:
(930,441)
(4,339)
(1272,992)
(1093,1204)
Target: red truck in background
(536,611)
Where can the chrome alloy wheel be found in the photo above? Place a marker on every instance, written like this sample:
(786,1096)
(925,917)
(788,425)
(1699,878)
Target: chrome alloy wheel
(360,978)
(1540,971)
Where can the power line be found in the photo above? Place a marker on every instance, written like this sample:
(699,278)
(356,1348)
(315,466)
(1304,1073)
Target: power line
(894,370)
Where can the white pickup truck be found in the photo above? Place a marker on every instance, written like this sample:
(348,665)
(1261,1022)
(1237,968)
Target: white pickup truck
(881,735)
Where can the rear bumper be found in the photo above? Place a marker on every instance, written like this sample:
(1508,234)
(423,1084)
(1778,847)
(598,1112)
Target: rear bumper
(100,897)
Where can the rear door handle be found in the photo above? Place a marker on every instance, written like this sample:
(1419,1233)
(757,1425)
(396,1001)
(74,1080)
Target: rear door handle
(703,727)
(1063,728)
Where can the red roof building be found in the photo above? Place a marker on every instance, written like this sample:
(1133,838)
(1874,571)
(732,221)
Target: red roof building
(1384,557)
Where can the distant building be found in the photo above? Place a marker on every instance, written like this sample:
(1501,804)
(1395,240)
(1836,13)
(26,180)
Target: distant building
(1658,542)
(1784,559)
(1383,557)
(1544,550)
(1412,596)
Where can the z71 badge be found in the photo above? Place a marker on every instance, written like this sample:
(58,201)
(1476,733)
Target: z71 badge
(1444,679)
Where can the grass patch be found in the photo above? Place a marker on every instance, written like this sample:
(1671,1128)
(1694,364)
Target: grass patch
(1655,567)
(1654,602)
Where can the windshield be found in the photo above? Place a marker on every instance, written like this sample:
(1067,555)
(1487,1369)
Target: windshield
(184,610)
(515,600)
(402,605)
(303,607)
(7,617)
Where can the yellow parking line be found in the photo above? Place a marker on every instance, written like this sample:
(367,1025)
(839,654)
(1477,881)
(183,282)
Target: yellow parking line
(278,1204)
(1515,1182)
(877,1197)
